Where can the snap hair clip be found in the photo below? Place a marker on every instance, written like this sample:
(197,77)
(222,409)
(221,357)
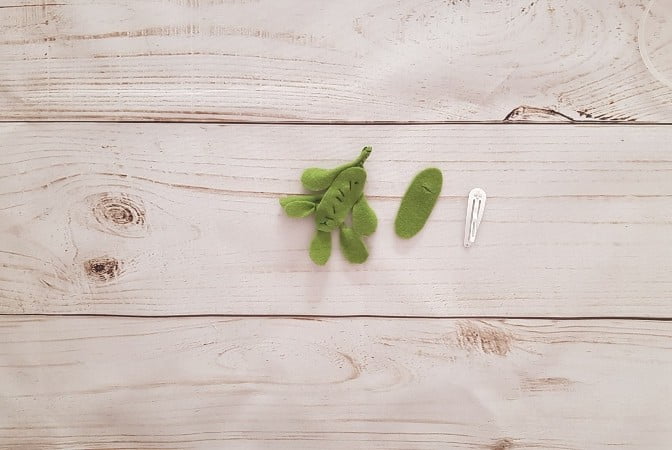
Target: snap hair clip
(475,208)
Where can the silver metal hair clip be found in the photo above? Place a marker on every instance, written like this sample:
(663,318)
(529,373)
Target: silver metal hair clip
(475,209)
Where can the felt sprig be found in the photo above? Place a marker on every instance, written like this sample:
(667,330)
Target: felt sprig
(340,195)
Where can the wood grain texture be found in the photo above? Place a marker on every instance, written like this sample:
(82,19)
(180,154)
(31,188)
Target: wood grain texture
(179,383)
(161,219)
(302,60)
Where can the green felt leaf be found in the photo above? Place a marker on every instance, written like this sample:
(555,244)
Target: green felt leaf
(284,201)
(317,179)
(352,246)
(418,202)
(339,199)
(364,220)
(320,247)
(299,208)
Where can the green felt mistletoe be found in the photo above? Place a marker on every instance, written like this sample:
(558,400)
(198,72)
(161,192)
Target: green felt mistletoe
(339,196)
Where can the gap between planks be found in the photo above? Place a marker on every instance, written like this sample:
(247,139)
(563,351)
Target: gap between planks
(344,123)
(342,316)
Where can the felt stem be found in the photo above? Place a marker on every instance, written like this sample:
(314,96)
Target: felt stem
(363,156)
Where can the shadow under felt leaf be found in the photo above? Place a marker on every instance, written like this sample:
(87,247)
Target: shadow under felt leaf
(405,246)
(316,281)
(293,226)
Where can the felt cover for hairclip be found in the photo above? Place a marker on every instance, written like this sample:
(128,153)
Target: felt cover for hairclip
(418,202)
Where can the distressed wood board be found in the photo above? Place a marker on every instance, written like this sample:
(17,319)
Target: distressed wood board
(302,60)
(159,219)
(153,295)
(110,383)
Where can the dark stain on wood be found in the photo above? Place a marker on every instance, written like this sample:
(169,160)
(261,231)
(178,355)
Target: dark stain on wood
(120,214)
(605,117)
(546,384)
(502,444)
(533,114)
(175,30)
(484,338)
(355,367)
(528,8)
(46,283)
(102,269)
(35,5)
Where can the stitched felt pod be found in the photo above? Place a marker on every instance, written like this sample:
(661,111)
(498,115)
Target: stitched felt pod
(364,220)
(317,179)
(339,199)
(352,246)
(418,202)
(320,247)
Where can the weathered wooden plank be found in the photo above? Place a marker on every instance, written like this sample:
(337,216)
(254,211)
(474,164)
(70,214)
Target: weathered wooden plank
(301,60)
(183,219)
(357,383)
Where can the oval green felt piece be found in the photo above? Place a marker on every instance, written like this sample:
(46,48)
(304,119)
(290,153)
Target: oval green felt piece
(339,199)
(284,201)
(317,179)
(352,246)
(320,248)
(418,202)
(299,208)
(364,220)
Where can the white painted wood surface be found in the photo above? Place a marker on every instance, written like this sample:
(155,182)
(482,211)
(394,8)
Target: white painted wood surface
(106,221)
(303,60)
(111,383)
(160,219)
